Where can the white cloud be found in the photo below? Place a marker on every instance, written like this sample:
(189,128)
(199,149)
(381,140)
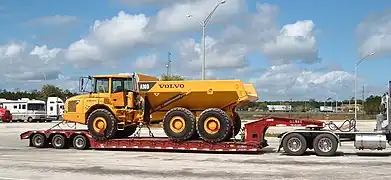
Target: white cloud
(216,57)
(174,18)
(12,50)
(108,39)
(23,63)
(295,42)
(289,81)
(146,62)
(374,34)
(44,53)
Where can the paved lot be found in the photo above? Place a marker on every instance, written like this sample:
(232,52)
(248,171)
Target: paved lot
(17,161)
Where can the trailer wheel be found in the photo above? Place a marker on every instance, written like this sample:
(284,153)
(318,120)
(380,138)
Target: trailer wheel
(179,124)
(59,141)
(102,124)
(214,125)
(38,141)
(325,144)
(294,144)
(80,142)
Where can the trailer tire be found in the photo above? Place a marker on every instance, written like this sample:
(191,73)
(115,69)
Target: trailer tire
(186,127)
(106,119)
(59,141)
(291,138)
(38,140)
(221,121)
(329,148)
(80,142)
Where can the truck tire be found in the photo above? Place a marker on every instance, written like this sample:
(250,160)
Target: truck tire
(236,126)
(128,131)
(179,124)
(325,144)
(294,144)
(38,140)
(59,141)
(214,125)
(102,124)
(237,123)
(80,142)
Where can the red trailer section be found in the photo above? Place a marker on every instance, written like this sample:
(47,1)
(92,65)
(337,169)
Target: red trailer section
(5,115)
(253,140)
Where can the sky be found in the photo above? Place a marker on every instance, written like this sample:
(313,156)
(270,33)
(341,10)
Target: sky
(295,50)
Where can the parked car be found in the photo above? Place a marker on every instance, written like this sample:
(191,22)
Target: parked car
(5,115)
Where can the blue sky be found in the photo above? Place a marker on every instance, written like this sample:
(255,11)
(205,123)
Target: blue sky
(62,26)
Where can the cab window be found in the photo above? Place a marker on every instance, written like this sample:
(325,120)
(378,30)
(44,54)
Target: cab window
(129,84)
(117,85)
(102,86)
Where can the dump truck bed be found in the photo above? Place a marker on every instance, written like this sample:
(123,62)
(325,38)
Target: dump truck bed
(197,95)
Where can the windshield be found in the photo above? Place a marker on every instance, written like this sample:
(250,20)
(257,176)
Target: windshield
(36,106)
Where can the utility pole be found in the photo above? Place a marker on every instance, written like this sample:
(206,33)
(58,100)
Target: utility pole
(169,64)
(363,96)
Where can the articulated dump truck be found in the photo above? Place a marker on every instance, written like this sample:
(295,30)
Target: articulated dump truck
(190,109)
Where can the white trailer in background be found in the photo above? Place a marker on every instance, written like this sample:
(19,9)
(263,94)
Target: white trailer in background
(25,109)
(54,108)
(279,108)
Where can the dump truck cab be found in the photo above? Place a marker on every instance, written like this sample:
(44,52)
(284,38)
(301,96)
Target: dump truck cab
(109,105)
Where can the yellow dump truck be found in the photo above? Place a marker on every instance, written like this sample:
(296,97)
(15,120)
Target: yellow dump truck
(188,109)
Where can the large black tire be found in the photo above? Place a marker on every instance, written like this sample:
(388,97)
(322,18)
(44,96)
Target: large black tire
(128,131)
(223,129)
(188,124)
(80,142)
(110,122)
(325,144)
(59,141)
(38,141)
(237,123)
(296,149)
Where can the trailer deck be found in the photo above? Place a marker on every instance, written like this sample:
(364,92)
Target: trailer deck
(253,139)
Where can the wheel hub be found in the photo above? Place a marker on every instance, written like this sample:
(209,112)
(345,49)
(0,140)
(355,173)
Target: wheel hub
(324,144)
(38,141)
(58,142)
(294,144)
(79,142)
(99,124)
(212,125)
(177,124)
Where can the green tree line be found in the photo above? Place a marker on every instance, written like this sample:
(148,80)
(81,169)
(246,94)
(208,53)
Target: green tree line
(42,94)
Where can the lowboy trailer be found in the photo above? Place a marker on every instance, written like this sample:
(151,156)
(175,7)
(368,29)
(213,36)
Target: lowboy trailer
(252,141)
(314,135)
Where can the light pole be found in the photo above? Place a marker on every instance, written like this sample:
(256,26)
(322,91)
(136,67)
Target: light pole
(203,25)
(355,82)
(168,65)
